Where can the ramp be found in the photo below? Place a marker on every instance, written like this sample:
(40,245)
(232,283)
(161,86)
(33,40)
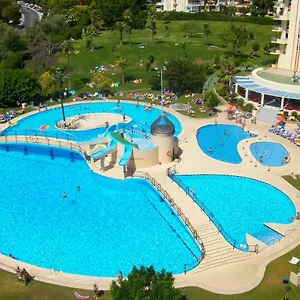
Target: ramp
(268,114)
(105,151)
(126,156)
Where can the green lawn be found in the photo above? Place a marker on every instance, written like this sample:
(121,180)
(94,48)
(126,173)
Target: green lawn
(271,287)
(293,182)
(168,43)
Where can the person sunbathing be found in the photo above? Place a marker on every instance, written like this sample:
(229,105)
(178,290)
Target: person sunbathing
(297,217)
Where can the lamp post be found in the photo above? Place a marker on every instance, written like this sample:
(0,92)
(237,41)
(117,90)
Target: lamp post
(287,289)
(161,89)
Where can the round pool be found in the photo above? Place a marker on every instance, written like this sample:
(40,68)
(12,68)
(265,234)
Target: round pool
(105,226)
(44,123)
(270,154)
(220,141)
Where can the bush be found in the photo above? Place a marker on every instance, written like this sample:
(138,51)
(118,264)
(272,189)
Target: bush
(222,91)
(148,66)
(77,84)
(249,107)
(88,43)
(294,114)
(240,102)
(233,95)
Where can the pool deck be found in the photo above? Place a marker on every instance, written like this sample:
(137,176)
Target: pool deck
(224,270)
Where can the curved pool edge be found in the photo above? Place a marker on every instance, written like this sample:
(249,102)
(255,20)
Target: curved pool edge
(178,116)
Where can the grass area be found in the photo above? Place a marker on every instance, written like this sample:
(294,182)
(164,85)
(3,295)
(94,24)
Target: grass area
(271,287)
(168,43)
(278,78)
(293,182)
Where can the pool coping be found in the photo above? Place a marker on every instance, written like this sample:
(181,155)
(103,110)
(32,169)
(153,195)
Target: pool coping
(215,279)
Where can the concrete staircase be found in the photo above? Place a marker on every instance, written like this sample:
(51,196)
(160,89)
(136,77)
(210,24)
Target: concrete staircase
(268,114)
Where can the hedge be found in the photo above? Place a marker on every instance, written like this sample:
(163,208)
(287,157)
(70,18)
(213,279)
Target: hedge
(212,16)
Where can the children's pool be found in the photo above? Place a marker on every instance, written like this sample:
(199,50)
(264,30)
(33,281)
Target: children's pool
(141,121)
(106,226)
(240,206)
(270,154)
(220,141)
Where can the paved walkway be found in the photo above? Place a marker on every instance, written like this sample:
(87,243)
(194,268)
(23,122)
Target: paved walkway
(224,269)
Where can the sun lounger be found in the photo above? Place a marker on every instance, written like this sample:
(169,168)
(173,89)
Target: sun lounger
(80,296)
(294,260)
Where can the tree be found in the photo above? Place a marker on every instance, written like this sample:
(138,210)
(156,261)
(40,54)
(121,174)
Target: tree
(183,46)
(68,47)
(191,27)
(128,19)
(182,75)
(12,13)
(145,283)
(92,32)
(17,85)
(152,22)
(206,31)
(59,79)
(12,40)
(263,4)
(267,48)
(121,63)
(226,73)
(212,99)
(230,10)
(255,48)
(120,26)
(151,59)
(47,83)
(235,35)
(42,54)
(102,81)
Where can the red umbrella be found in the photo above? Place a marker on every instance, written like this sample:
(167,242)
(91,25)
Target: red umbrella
(281,118)
(230,108)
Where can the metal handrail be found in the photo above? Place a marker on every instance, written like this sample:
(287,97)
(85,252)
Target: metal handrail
(251,248)
(177,209)
(45,141)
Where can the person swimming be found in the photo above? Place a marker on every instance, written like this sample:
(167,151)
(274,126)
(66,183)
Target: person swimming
(261,158)
(221,143)
(297,217)
(210,150)
(64,194)
(78,188)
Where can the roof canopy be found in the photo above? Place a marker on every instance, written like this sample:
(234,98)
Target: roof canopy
(247,83)
(162,126)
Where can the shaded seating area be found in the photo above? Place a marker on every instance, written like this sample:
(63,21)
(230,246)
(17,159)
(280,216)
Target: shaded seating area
(23,276)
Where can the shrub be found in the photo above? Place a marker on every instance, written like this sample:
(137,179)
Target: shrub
(233,95)
(240,102)
(148,66)
(77,84)
(248,107)
(222,91)
(294,114)
(88,44)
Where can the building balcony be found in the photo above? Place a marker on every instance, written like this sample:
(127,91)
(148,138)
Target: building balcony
(275,51)
(279,41)
(277,28)
(282,17)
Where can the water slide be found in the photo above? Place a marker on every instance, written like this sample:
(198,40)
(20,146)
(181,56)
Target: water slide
(105,151)
(126,156)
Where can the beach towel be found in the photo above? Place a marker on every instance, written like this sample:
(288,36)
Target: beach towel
(294,260)
(80,297)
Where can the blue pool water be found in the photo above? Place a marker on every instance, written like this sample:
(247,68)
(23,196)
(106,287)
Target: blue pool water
(141,120)
(223,140)
(107,226)
(272,154)
(240,205)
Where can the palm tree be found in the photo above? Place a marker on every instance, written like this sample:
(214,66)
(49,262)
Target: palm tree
(121,63)
(121,26)
(59,78)
(226,73)
(68,47)
(128,17)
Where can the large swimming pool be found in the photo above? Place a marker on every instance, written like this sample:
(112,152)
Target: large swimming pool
(240,205)
(269,154)
(141,120)
(107,226)
(220,141)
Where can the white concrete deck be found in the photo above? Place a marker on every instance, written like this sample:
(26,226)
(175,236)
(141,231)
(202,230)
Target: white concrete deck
(223,270)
